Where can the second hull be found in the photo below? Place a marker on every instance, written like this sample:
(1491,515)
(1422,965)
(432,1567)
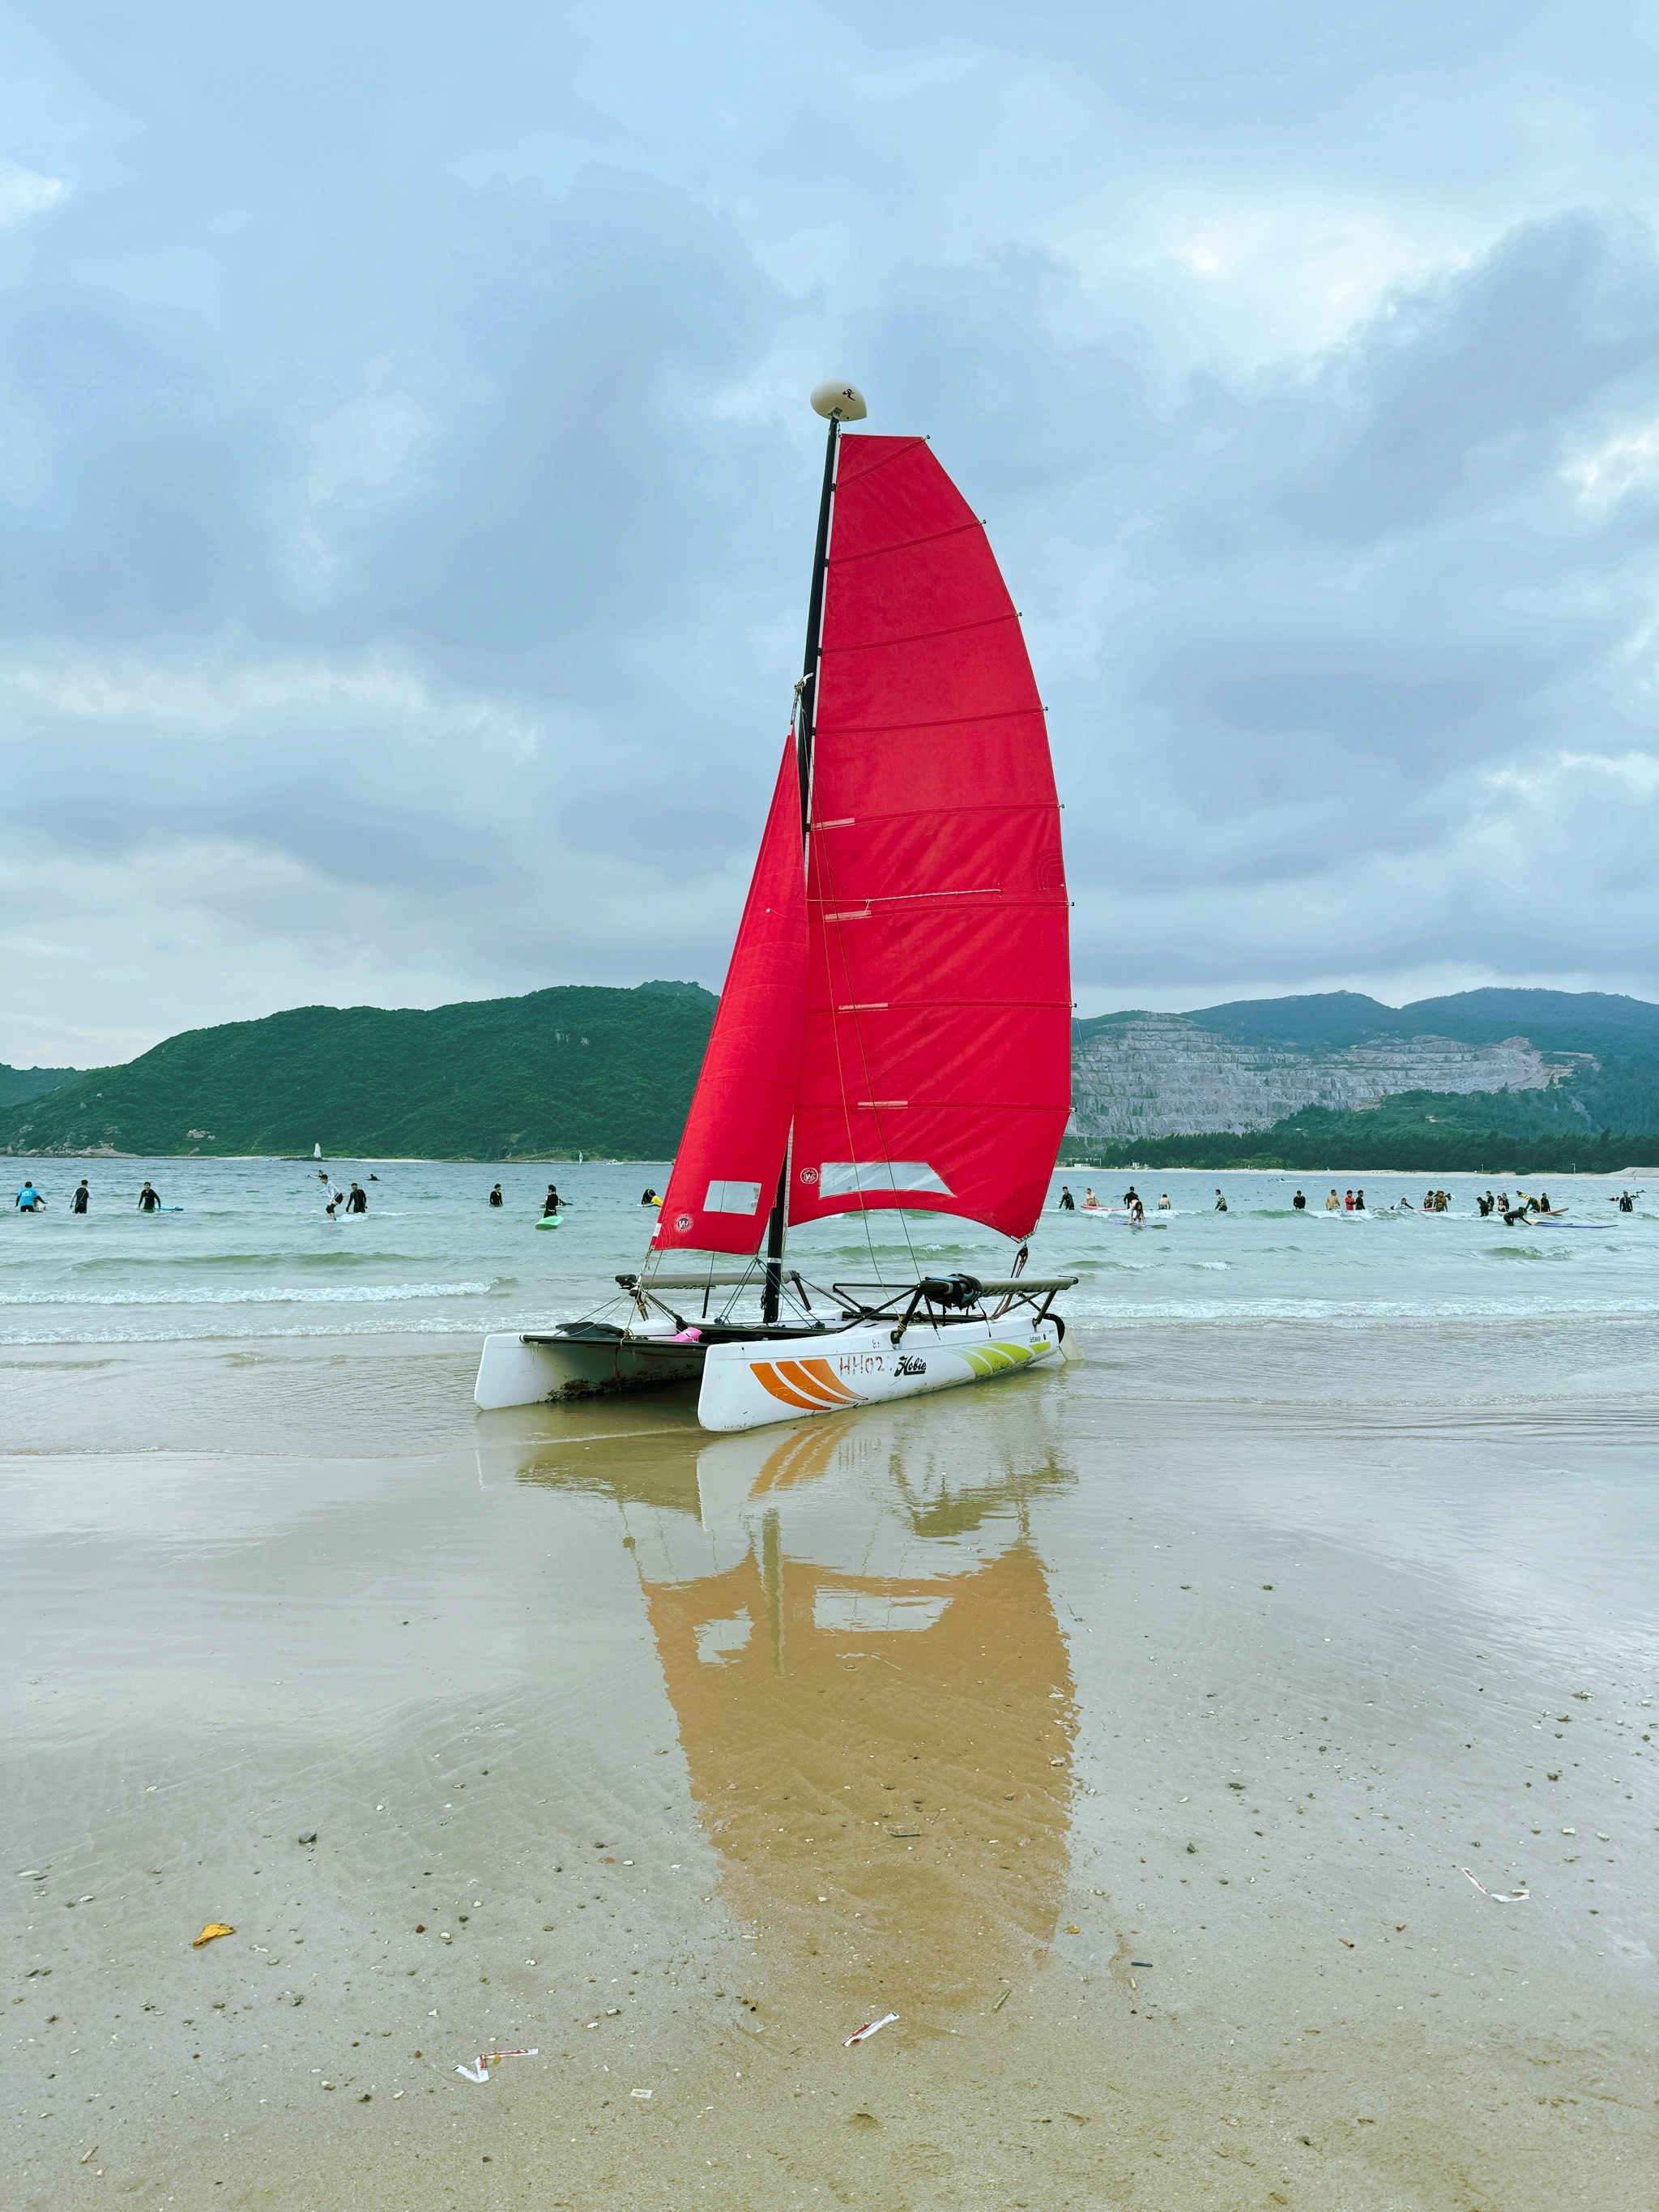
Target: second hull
(748,1385)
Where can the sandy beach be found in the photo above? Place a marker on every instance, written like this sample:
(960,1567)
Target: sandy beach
(1127,1732)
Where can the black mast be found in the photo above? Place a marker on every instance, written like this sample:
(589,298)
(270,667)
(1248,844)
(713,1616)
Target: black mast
(772,1294)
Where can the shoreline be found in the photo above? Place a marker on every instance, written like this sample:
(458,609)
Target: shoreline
(1264,1674)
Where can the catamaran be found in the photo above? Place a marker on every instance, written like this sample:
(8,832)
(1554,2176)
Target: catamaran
(895,1029)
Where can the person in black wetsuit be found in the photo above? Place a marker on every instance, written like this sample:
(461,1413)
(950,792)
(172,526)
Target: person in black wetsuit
(356,1200)
(496,1198)
(150,1200)
(83,1198)
(1300,1203)
(1067,1203)
(550,1203)
(648,1197)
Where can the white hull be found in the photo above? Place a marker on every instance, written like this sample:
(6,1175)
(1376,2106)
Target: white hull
(518,1370)
(748,1385)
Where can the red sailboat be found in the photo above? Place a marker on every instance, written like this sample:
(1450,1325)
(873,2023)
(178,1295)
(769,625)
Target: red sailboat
(895,1026)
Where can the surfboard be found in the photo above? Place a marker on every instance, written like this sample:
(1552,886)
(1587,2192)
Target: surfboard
(549,1221)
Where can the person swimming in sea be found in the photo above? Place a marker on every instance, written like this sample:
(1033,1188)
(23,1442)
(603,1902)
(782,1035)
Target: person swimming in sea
(1220,1206)
(1300,1202)
(1090,1203)
(149,1200)
(649,1197)
(83,1198)
(30,1199)
(356,1200)
(1333,1203)
(1359,1202)
(1163,1204)
(496,1198)
(1067,1203)
(550,1203)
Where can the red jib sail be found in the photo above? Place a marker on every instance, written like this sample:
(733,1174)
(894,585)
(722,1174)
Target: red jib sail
(936,1067)
(725,1172)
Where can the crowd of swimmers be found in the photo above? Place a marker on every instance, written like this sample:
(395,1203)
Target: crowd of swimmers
(1523,1207)
(31,1198)
(1132,1204)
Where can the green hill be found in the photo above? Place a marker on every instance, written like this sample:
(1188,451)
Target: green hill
(17,1083)
(1497,1132)
(1600,1022)
(577,1068)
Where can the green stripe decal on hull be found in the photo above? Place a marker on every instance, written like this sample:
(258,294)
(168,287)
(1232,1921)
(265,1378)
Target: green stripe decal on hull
(992,1359)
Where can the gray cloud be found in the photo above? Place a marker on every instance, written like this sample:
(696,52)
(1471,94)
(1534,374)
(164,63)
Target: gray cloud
(405,489)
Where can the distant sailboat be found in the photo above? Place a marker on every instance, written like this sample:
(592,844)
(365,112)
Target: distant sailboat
(316,1151)
(895,1027)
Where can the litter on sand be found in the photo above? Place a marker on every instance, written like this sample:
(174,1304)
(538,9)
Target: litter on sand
(1002,2000)
(871,2026)
(210,1933)
(1499,1896)
(479,2069)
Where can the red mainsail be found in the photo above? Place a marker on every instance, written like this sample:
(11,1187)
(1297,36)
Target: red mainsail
(726,1173)
(936,1067)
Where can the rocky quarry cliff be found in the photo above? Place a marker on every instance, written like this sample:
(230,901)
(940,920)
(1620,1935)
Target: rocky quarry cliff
(1171,1075)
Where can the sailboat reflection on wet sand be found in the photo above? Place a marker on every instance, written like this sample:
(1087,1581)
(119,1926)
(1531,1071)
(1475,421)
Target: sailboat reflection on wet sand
(873,1695)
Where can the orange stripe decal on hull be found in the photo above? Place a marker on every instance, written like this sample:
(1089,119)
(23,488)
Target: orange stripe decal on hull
(768,1378)
(816,1375)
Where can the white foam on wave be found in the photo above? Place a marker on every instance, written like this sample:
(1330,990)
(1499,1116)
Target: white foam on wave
(232,1295)
(1101,1310)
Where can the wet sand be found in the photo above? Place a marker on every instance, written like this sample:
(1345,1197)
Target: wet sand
(1125,1731)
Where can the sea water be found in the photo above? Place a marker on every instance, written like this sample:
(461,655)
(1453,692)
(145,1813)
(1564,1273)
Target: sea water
(1124,1728)
(250,1252)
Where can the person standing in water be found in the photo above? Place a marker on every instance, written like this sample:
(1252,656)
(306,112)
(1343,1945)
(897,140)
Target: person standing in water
(1333,1203)
(550,1203)
(356,1200)
(1090,1203)
(1299,1202)
(83,1198)
(496,1198)
(149,1200)
(1163,1204)
(30,1199)
(1067,1203)
(1220,1206)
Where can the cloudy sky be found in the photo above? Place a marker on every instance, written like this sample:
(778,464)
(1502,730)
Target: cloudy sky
(406,482)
